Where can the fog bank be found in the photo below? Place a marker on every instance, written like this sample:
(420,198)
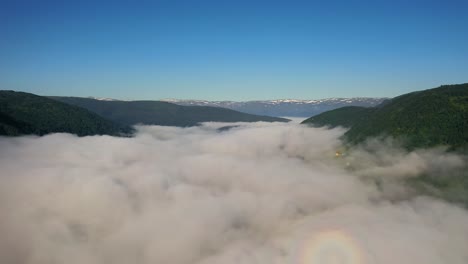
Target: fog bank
(254,193)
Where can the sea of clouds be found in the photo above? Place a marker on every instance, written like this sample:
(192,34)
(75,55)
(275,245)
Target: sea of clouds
(255,193)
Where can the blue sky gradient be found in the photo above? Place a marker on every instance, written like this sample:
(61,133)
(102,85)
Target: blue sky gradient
(232,50)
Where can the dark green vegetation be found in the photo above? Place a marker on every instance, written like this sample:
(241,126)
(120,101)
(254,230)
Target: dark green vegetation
(24,113)
(162,113)
(345,116)
(426,118)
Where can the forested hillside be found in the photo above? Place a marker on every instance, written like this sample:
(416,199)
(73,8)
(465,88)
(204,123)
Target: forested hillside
(25,113)
(426,118)
(344,116)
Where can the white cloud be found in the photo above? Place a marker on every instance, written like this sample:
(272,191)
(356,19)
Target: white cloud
(256,193)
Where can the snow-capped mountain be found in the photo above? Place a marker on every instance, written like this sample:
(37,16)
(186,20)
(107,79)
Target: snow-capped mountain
(285,107)
(102,98)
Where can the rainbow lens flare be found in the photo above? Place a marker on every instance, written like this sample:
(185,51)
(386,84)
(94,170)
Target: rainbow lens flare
(331,247)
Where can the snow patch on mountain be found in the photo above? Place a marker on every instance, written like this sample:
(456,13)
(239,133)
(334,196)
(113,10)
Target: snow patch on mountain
(285,107)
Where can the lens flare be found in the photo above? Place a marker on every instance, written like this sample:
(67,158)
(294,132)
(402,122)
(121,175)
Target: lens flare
(331,247)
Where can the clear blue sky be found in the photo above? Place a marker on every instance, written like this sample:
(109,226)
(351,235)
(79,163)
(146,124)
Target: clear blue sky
(232,50)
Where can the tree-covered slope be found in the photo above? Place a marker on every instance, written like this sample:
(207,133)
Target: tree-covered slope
(25,113)
(162,113)
(426,118)
(345,116)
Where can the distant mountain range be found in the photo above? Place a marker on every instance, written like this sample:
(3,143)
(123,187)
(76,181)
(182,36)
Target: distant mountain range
(284,107)
(161,113)
(24,113)
(426,118)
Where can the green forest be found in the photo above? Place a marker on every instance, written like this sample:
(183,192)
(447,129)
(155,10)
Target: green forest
(24,113)
(426,118)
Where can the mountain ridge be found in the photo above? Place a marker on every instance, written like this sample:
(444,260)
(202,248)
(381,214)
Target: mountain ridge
(162,113)
(286,107)
(275,107)
(25,114)
(431,117)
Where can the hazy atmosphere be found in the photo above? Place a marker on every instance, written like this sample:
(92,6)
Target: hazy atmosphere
(257,193)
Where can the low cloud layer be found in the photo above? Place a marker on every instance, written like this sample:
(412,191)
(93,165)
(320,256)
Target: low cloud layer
(254,193)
